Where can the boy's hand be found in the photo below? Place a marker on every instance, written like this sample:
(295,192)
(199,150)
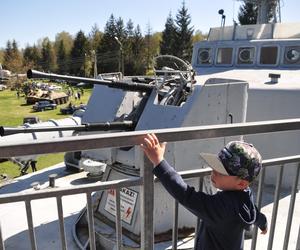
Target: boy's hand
(264,231)
(153,148)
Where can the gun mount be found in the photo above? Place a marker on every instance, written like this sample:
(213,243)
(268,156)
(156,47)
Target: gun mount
(179,100)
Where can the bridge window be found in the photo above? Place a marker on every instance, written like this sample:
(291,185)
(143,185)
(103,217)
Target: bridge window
(224,56)
(292,55)
(246,55)
(268,55)
(204,56)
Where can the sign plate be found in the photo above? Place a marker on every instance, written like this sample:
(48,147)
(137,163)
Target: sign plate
(128,201)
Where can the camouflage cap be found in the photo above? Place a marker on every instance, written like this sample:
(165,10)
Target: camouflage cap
(237,158)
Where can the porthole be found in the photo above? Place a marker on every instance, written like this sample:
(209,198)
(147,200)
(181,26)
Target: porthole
(204,56)
(292,55)
(246,55)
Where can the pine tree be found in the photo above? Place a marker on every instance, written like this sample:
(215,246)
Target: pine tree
(128,48)
(78,55)
(138,41)
(148,46)
(32,57)
(48,58)
(129,28)
(108,49)
(121,36)
(95,37)
(168,37)
(184,34)
(7,55)
(62,59)
(120,30)
(248,13)
(138,50)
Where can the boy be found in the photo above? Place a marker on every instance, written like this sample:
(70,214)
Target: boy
(226,214)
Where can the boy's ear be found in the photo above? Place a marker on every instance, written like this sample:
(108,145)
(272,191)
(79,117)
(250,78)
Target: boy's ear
(242,184)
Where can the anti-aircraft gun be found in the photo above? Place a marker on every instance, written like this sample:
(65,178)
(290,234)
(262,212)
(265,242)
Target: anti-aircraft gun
(171,98)
(127,97)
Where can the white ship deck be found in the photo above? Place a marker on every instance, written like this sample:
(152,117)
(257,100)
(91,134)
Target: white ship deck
(45,217)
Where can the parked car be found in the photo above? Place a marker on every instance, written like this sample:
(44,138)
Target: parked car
(31,120)
(2,87)
(54,87)
(43,105)
(70,109)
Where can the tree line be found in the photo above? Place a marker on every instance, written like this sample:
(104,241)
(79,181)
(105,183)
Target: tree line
(119,44)
(119,41)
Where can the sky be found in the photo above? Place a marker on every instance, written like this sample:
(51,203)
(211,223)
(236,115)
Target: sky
(28,21)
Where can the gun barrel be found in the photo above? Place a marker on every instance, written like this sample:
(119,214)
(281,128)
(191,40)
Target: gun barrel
(125,125)
(118,84)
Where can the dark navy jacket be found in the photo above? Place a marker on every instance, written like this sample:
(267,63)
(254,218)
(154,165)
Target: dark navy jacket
(224,215)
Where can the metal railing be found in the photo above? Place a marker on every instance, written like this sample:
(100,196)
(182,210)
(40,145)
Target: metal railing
(266,164)
(145,181)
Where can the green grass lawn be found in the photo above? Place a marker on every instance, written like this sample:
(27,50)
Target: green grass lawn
(12,112)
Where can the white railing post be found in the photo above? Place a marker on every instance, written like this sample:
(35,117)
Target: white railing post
(147,204)
(1,239)
(291,209)
(30,224)
(61,223)
(175,226)
(90,217)
(118,220)
(298,241)
(275,207)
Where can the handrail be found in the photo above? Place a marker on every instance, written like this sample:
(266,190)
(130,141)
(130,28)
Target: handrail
(133,181)
(121,139)
(86,188)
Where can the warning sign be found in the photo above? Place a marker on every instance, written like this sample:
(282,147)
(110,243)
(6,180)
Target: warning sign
(128,200)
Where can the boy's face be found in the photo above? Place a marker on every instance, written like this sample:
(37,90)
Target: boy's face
(228,182)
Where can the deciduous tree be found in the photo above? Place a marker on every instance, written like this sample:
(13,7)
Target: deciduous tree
(13,58)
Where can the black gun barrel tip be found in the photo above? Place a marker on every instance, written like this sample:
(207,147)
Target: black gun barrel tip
(29,73)
(1,131)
